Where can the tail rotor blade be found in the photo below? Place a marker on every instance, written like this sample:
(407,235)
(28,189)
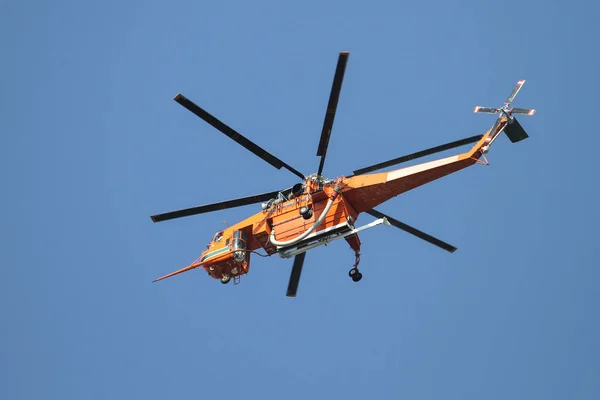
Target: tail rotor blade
(522,111)
(513,94)
(486,110)
(295,275)
(495,127)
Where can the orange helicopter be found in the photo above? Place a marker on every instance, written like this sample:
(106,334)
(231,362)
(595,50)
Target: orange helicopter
(318,210)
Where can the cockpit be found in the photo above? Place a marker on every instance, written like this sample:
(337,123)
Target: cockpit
(218,237)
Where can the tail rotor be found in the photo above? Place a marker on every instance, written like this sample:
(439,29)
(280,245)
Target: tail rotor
(514,131)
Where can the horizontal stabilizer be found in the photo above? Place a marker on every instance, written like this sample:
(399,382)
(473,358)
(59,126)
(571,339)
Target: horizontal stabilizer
(515,131)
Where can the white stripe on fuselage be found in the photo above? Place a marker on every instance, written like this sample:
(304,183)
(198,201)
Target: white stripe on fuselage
(415,169)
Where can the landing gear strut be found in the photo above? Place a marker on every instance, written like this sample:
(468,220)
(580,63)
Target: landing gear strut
(354,272)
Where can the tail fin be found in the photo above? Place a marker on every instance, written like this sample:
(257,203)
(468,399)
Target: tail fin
(514,131)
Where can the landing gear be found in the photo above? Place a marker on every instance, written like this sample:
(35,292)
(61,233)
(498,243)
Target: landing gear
(355,274)
(225,279)
(354,243)
(306,212)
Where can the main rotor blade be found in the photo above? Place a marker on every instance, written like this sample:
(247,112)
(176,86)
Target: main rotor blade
(234,135)
(295,275)
(407,228)
(419,154)
(242,201)
(334,96)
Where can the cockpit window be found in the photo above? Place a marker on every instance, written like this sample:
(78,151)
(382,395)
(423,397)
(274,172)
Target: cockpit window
(218,236)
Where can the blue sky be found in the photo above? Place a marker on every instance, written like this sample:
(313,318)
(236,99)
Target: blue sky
(93,144)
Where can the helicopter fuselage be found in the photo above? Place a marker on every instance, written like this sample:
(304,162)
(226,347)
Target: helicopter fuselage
(291,214)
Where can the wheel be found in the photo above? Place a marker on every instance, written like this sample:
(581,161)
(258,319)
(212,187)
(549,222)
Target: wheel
(353,272)
(357,277)
(225,279)
(306,212)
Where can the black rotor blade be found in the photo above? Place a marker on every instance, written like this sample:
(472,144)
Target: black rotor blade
(295,275)
(407,228)
(334,96)
(234,135)
(419,154)
(242,201)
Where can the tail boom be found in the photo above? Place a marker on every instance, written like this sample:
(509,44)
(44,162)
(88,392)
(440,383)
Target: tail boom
(367,191)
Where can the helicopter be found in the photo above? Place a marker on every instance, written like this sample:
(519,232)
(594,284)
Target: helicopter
(318,210)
